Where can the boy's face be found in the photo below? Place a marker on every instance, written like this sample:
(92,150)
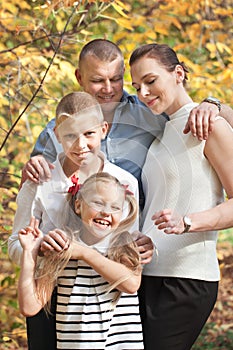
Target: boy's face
(81,137)
(101,209)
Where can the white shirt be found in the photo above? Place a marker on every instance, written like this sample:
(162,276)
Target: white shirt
(48,202)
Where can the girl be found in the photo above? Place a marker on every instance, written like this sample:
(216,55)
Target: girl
(183,180)
(97,276)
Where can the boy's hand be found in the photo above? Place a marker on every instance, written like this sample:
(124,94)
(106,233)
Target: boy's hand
(37,169)
(55,240)
(145,247)
(201,120)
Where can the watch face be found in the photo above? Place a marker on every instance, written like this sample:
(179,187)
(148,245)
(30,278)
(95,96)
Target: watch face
(187,221)
(213,99)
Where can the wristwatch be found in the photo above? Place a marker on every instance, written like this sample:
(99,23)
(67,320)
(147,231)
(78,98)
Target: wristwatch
(214,101)
(187,224)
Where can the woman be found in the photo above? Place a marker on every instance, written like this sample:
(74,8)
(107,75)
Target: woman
(183,180)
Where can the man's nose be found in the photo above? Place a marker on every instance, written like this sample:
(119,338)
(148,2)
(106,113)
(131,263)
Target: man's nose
(107,87)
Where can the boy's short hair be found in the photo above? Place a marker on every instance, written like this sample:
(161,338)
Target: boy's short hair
(76,102)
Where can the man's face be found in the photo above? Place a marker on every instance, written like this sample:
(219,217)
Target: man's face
(103,80)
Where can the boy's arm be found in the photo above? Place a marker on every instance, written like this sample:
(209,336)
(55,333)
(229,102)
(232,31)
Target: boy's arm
(22,218)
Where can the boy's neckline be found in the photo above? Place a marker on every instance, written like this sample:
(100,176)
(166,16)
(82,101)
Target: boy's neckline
(84,172)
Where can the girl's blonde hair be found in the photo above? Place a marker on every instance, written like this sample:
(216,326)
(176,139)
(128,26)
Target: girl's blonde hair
(122,248)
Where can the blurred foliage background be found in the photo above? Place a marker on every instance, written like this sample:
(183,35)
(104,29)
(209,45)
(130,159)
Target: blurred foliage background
(39,47)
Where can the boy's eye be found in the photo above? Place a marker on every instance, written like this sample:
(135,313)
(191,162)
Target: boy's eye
(89,133)
(70,136)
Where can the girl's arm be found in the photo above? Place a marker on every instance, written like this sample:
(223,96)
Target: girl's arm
(110,270)
(30,240)
(219,151)
(29,304)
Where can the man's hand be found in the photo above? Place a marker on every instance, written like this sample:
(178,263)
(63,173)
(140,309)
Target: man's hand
(37,169)
(145,247)
(201,120)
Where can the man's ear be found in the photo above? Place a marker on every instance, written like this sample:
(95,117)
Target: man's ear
(78,76)
(57,134)
(104,129)
(77,206)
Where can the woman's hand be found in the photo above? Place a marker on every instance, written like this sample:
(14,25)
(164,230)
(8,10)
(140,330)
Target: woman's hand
(169,221)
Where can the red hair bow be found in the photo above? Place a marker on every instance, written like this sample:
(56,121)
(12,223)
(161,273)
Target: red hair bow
(127,191)
(75,187)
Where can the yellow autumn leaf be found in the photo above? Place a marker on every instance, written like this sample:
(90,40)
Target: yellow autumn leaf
(125,23)
(211,47)
(119,9)
(124,6)
(12,205)
(222,47)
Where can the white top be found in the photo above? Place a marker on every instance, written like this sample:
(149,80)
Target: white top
(48,202)
(177,175)
(85,316)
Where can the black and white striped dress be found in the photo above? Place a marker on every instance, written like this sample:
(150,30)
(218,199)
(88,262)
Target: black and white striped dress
(85,317)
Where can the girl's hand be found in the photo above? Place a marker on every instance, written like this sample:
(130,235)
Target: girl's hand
(30,237)
(169,221)
(55,240)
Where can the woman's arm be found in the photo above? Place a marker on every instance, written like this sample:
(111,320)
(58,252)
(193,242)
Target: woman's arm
(219,151)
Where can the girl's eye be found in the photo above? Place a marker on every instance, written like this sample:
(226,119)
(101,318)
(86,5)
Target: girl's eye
(116,208)
(97,203)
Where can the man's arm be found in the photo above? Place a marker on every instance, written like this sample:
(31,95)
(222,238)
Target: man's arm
(202,118)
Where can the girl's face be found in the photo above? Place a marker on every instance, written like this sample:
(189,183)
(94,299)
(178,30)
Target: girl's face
(101,209)
(159,89)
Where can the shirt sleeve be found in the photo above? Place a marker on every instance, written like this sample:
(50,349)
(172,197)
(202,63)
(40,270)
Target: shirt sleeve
(25,201)
(47,144)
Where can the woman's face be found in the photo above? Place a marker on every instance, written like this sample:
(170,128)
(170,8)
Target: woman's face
(156,87)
